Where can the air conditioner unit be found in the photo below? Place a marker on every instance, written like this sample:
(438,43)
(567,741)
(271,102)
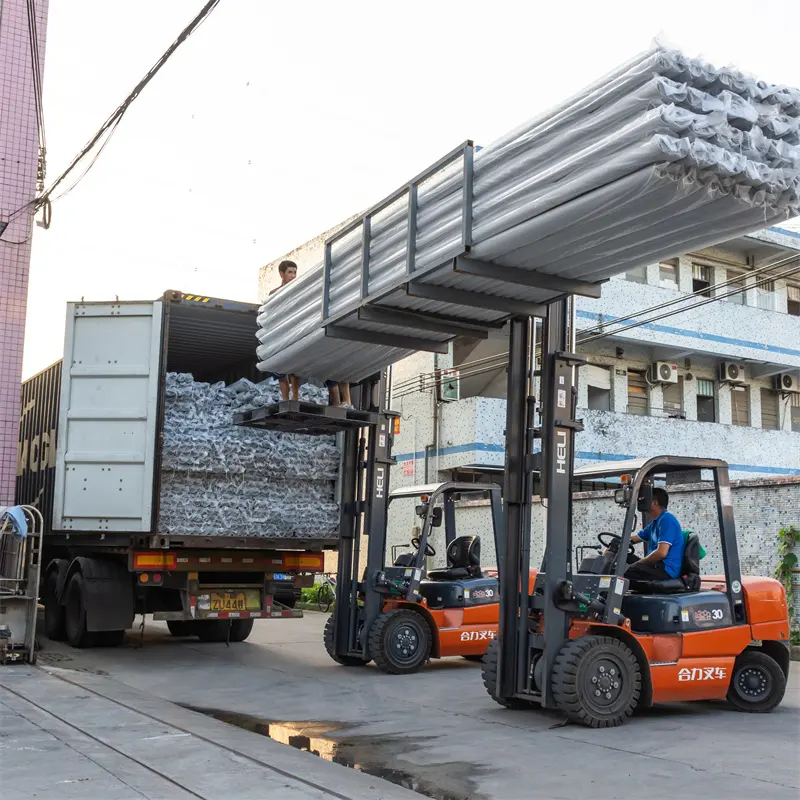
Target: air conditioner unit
(786,383)
(663,372)
(731,372)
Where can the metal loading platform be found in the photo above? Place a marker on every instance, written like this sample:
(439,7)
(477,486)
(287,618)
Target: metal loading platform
(294,416)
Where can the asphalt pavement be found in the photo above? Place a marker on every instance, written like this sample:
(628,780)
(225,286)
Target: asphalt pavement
(436,733)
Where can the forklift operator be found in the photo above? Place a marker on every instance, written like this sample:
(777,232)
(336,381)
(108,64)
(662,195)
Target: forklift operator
(665,543)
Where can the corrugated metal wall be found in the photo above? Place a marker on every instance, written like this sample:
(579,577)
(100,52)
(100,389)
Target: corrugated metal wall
(38,431)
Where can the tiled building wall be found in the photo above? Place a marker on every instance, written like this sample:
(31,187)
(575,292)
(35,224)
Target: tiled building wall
(18,162)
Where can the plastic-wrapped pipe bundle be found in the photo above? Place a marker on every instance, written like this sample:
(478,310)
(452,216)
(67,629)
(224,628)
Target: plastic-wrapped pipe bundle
(224,480)
(664,155)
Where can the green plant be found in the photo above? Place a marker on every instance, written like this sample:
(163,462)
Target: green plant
(787,539)
(309,595)
(795,637)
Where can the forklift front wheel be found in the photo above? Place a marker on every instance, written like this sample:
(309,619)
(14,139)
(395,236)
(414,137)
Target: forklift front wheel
(329,637)
(596,681)
(400,641)
(489,674)
(758,683)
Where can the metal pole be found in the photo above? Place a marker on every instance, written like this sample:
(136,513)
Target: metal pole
(512,589)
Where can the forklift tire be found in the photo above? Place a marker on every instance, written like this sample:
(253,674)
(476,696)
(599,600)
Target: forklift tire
(240,629)
(758,683)
(489,674)
(596,681)
(330,645)
(181,628)
(75,614)
(400,641)
(54,613)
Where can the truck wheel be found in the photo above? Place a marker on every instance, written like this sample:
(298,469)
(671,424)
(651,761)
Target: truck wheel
(329,638)
(757,684)
(181,628)
(400,641)
(111,638)
(54,612)
(212,630)
(489,675)
(75,614)
(240,629)
(596,681)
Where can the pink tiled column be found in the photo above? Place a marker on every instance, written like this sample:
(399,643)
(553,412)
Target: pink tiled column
(19,145)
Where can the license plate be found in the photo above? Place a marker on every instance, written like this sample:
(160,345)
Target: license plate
(228,601)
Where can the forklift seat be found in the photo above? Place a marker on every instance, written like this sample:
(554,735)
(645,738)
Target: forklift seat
(405,560)
(463,560)
(689,581)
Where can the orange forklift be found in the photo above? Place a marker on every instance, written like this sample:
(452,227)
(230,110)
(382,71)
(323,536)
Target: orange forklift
(588,641)
(426,614)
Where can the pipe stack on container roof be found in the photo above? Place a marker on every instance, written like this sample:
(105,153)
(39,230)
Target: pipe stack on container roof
(665,155)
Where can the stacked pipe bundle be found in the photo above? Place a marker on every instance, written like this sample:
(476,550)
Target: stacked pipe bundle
(220,479)
(664,155)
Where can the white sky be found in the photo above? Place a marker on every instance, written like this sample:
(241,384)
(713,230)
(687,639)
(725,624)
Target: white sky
(276,121)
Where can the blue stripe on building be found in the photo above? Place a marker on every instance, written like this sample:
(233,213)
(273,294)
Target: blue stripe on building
(485,447)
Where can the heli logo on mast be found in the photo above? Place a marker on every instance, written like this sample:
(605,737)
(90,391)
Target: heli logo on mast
(379,482)
(561,452)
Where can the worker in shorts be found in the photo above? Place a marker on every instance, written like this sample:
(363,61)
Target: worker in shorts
(288,272)
(339,393)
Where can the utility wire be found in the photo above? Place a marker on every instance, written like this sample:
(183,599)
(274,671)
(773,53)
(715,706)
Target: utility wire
(107,129)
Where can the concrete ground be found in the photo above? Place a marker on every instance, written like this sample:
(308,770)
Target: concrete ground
(436,731)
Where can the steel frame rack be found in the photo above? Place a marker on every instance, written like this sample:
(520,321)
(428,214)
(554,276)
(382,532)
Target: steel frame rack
(389,323)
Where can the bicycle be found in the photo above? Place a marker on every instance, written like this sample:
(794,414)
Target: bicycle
(326,593)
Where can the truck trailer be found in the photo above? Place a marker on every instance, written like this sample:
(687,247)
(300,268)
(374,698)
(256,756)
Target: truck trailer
(92,459)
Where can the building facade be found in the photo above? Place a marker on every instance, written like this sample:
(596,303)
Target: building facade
(19,150)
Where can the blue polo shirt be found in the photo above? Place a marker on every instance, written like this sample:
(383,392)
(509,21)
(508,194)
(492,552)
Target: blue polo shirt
(666,528)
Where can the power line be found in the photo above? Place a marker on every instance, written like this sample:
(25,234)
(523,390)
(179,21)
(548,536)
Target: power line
(107,129)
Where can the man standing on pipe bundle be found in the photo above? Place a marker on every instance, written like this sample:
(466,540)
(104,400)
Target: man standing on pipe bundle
(288,272)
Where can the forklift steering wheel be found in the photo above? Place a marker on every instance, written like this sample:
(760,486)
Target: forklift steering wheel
(429,551)
(614,544)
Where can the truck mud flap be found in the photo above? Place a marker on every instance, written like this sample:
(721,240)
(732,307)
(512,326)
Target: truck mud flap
(108,588)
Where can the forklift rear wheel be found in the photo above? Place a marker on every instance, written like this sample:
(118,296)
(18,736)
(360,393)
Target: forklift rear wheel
(75,614)
(596,681)
(181,628)
(329,637)
(400,641)
(489,674)
(54,613)
(758,683)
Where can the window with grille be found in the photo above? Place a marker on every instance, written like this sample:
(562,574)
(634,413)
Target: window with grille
(740,405)
(668,274)
(793,300)
(765,295)
(637,275)
(637,393)
(673,398)
(701,279)
(794,410)
(706,411)
(769,410)
(737,287)
(598,388)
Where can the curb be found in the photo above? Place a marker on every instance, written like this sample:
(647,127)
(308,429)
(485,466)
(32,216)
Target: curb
(794,652)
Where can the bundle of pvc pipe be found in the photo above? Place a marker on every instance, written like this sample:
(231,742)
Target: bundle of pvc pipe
(221,479)
(662,156)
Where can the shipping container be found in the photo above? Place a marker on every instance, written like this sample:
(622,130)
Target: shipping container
(90,451)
